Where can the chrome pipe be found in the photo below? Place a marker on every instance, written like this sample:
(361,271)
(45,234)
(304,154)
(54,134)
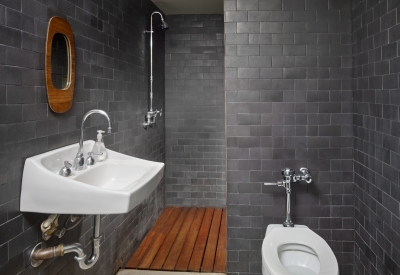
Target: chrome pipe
(83,122)
(288,219)
(77,248)
(41,253)
(151,57)
(151,115)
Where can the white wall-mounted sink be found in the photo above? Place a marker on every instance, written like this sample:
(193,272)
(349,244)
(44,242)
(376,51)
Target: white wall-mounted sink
(113,186)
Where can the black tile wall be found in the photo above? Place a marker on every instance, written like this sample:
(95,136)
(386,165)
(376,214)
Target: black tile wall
(195,111)
(376,28)
(288,67)
(112,57)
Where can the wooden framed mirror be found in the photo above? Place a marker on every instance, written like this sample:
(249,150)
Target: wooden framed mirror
(60,65)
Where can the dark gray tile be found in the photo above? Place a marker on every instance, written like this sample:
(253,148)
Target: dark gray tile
(20,94)
(18,20)
(197,159)
(270,5)
(10,229)
(10,37)
(4,254)
(293,5)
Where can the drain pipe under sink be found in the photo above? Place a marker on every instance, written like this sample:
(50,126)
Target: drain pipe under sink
(40,252)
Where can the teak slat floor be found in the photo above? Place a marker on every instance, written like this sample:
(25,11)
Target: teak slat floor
(184,239)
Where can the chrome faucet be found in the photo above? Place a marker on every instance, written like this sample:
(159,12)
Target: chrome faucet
(79,161)
(289,176)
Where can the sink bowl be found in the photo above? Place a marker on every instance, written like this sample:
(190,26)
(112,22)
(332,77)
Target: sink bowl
(113,186)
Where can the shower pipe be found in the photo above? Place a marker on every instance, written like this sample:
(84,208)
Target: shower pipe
(151,115)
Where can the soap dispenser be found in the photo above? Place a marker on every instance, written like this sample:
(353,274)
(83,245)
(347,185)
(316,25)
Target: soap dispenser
(99,149)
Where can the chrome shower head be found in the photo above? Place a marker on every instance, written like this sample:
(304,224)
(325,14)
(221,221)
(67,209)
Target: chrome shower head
(164,25)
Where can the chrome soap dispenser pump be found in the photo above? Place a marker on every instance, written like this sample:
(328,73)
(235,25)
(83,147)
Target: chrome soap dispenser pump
(99,149)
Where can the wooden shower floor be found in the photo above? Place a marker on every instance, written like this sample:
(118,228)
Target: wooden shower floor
(184,239)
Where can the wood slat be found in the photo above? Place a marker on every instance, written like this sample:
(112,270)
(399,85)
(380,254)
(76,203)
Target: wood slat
(158,240)
(209,254)
(165,248)
(220,256)
(176,249)
(201,241)
(148,240)
(184,258)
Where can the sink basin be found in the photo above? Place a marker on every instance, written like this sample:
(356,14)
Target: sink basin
(113,186)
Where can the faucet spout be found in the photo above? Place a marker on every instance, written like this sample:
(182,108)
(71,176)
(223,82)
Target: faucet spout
(79,161)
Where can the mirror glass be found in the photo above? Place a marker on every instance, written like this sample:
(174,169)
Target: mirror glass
(59,62)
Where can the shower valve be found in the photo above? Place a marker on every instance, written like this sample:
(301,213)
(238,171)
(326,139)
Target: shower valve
(151,118)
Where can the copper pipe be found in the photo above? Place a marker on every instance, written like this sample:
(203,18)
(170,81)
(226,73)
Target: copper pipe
(48,253)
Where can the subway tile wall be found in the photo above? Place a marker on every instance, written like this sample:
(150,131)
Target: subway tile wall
(376,34)
(195,111)
(111,74)
(288,67)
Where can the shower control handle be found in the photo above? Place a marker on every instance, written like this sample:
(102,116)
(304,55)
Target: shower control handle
(158,112)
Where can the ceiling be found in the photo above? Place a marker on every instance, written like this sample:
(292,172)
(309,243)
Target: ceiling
(190,6)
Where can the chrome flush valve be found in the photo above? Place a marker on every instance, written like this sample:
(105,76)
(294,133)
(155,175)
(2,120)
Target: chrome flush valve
(289,177)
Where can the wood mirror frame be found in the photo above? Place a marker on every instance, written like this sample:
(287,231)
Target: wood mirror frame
(60,100)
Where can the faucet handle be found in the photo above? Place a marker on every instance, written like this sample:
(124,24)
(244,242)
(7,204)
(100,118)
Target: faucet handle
(159,112)
(90,159)
(66,170)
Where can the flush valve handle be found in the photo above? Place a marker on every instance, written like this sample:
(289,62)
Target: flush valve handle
(279,183)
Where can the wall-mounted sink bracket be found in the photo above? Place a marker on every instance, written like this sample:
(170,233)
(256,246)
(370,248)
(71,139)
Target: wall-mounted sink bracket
(289,176)
(50,226)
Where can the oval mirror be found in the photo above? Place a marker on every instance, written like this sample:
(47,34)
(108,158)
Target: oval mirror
(59,62)
(60,65)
